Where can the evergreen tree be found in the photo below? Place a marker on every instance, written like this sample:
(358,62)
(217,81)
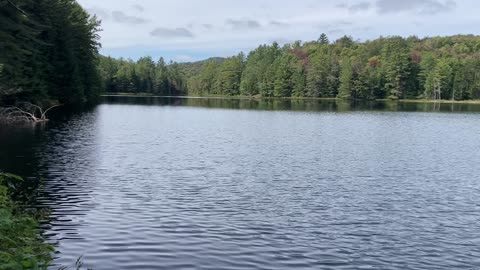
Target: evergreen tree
(323,39)
(460,84)
(161,77)
(318,74)
(346,77)
(49,51)
(229,76)
(283,77)
(207,77)
(145,70)
(395,60)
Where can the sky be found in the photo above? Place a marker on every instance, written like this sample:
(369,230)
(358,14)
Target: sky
(191,30)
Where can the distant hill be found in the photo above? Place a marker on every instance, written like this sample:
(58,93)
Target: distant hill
(388,67)
(191,69)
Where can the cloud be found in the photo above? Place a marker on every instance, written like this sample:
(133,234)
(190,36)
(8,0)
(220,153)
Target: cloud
(279,24)
(336,31)
(437,7)
(101,13)
(121,17)
(171,32)
(364,28)
(306,19)
(430,7)
(207,26)
(337,28)
(362,6)
(243,24)
(337,24)
(138,7)
(200,26)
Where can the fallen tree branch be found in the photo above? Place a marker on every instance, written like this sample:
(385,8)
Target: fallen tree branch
(25,112)
(44,114)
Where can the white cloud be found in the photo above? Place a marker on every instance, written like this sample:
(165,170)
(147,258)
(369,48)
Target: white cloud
(431,7)
(227,27)
(180,32)
(245,24)
(121,17)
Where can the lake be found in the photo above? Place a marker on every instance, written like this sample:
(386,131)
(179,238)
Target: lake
(167,183)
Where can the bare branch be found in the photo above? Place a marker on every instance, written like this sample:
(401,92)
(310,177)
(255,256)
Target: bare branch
(17,7)
(44,114)
(29,106)
(27,113)
(24,112)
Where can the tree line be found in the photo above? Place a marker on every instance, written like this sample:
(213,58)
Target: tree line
(48,52)
(391,67)
(387,67)
(142,76)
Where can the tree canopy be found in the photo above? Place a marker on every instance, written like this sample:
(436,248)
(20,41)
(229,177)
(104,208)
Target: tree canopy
(49,52)
(387,67)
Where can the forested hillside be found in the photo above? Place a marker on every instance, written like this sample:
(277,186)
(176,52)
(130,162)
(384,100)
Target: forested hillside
(48,52)
(388,67)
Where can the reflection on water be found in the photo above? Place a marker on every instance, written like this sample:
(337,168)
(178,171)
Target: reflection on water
(297,105)
(199,184)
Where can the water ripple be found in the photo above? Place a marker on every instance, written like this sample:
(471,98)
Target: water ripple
(146,187)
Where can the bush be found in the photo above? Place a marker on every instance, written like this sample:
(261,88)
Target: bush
(21,246)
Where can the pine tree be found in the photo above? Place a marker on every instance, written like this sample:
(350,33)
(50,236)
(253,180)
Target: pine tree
(323,39)
(161,77)
(229,76)
(346,76)
(283,77)
(395,59)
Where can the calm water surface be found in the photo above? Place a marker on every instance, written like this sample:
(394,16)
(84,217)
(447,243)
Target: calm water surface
(145,183)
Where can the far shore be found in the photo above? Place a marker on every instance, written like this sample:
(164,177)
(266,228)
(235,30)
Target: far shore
(140,95)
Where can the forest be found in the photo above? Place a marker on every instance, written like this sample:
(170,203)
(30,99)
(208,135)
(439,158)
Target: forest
(384,68)
(50,55)
(49,52)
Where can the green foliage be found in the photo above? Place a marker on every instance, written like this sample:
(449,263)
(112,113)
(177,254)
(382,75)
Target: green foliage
(346,76)
(439,80)
(145,70)
(20,245)
(142,76)
(228,77)
(323,39)
(395,55)
(49,51)
(258,77)
(207,78)
(392,67)
(284,80)
(320,73)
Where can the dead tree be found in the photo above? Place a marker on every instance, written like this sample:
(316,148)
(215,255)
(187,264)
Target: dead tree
(25,112)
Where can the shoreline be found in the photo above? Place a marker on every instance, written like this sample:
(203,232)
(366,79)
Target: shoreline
(22,245)
(144,95)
